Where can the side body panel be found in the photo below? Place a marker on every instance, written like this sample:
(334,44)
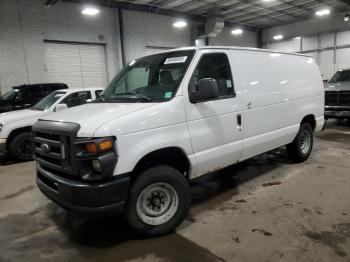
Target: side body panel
(278,91)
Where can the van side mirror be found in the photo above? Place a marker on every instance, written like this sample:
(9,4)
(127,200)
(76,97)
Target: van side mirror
(60,107)
(207,89)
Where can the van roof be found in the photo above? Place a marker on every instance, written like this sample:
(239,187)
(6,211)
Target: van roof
(233,48)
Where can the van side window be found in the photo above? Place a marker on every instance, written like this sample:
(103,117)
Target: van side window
(76,99)
(215,66)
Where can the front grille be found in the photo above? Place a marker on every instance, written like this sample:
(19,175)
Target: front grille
(53,144)
(344,99)
(341,98)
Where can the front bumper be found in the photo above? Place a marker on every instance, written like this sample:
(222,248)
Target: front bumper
(94,198)
(337,111)
(337,114)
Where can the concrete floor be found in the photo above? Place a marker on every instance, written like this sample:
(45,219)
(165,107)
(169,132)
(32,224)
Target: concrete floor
(265,209)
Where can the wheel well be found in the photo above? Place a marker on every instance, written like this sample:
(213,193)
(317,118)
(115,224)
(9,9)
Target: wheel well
(16,132)
(309,119)
(171,156)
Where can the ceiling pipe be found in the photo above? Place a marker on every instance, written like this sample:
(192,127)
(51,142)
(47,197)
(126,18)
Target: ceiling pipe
(215,22)
(50,3)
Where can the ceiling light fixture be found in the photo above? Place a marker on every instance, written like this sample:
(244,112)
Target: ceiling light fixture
(180,24)
(323,12)
(90,11)
(237,31)
(278,37)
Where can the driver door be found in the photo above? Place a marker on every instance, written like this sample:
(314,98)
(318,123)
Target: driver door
(215,126)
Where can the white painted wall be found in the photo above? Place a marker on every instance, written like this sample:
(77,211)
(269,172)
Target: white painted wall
(322,48)
(225,38)
(145,30)
(24,27)
(291,45)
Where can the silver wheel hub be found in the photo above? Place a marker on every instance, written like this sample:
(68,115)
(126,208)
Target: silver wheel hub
(157,204)
(305,141)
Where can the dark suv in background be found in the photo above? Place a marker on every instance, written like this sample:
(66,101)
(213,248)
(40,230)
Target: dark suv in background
(25,96)
(337,96)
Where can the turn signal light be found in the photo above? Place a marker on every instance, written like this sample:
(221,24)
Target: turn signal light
(99,146)
(105,145)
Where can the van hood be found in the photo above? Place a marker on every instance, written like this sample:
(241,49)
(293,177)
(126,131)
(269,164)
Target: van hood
(13,116)
(340,86)
(92,116)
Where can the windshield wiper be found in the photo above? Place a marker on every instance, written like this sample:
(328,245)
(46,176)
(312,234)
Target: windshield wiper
(135,94)
(36,108)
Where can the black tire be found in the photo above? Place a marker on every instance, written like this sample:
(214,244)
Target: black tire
(149,179)
(295,150)
(20,146)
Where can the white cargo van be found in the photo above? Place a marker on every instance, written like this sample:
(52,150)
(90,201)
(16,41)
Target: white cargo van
(171,117)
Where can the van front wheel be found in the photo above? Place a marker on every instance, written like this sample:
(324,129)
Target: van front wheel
(300,149)
(158,202)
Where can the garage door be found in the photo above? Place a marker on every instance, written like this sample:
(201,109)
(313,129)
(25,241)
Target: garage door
(76,65)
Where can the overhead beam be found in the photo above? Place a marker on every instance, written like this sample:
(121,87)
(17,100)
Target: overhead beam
(49,3)
(141,7)
(150,8)
(347,2)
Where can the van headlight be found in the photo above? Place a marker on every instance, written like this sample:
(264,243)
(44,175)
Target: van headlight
(96,157)
(95,146)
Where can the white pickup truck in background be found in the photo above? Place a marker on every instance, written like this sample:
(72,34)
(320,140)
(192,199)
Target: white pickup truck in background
(15,126)
(171,117)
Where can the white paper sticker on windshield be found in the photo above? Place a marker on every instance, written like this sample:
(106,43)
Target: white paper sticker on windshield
(174,60)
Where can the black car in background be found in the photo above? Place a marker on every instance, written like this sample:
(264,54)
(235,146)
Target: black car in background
(25,96)
(337,96)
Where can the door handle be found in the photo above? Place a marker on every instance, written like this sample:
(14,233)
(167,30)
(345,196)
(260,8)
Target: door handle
(249,105)
(239,122)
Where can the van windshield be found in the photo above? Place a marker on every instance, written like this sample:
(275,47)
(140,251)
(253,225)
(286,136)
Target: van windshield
(153,78)
(48,101)
(340,76)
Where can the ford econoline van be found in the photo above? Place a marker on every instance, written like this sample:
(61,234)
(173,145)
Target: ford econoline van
(170,117)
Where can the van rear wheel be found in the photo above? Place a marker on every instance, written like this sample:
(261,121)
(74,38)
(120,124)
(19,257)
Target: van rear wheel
(21,146)
(158,201)
(300,149)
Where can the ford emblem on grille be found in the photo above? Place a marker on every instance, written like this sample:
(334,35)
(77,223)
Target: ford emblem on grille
(44,148)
